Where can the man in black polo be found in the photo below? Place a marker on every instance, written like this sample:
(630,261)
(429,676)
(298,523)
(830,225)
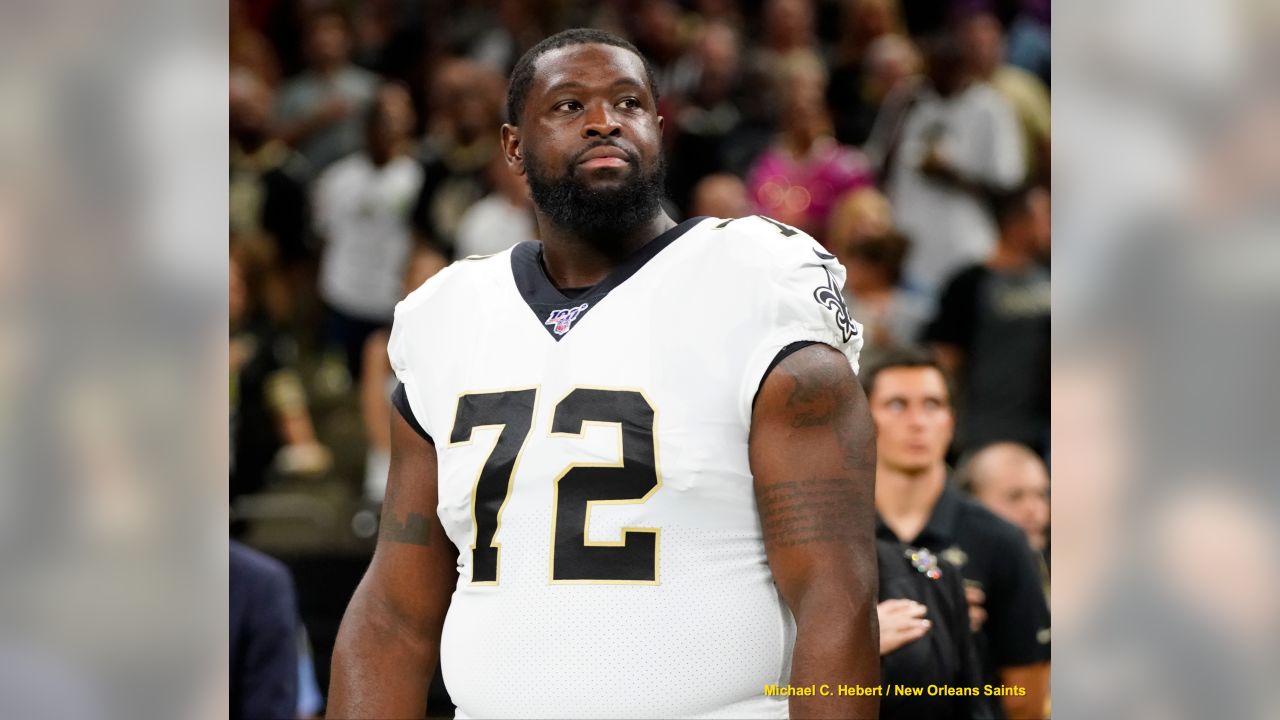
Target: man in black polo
(925,638)
(916,505)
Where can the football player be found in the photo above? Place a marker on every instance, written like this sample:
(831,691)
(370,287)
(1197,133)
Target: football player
(632,469)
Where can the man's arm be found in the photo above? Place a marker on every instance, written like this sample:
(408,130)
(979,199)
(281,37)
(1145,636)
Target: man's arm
(1016,630)
(1034,679)
(375,410)
(389,640)
(813,456)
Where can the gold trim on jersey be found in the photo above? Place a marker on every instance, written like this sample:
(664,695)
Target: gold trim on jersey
(586,525)
(511,479)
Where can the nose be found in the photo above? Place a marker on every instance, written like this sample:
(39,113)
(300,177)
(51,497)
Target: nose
(598,121)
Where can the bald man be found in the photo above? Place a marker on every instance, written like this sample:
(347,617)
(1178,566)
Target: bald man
(1012,482)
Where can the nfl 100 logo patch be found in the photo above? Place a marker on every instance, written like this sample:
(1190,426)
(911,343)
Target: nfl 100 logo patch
(562,320)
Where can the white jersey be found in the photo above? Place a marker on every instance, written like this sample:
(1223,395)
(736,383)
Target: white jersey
(363,213)
(593,469)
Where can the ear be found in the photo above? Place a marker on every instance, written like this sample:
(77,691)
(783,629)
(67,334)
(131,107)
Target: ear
(511,149)
(660,120)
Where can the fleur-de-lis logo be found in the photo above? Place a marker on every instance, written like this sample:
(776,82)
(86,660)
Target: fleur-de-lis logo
(562,320)
(829,296)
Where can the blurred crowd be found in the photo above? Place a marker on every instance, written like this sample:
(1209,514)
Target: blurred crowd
(910,137)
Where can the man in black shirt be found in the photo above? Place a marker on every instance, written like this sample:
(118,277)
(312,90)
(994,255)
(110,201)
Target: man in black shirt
(992,330)
(911,407)
(924,637)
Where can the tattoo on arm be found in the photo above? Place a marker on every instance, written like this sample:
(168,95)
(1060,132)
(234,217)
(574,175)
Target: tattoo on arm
(800,512)
(825,404)
(812,403)
(415,529)
(817,399)
(856,436)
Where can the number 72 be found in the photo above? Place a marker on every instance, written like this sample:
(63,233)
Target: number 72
(634,479)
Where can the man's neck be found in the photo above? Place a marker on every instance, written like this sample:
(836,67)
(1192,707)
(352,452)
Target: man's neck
(573,261)
(905,500)
(955,91)
(382,157)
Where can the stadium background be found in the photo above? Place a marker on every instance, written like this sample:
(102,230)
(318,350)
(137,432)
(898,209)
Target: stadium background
(742,84)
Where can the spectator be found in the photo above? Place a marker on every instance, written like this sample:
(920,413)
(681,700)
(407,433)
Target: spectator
(378,381)
(872,252)
(658,29)
(387,37)
(263,637)
(725,11)
(270,424)
(708,135)
(959,143)
(855,90)
(466,102)
(520,25)
(924,635)
(362,208)
(858,215)
(267,199)
(721,195)
(789,37)
(891,314)
(984,38)
(910,405)
(320,112)
(992,330)
(789,43)
(894,84)
(1012,482)
(501,218)
(797,180)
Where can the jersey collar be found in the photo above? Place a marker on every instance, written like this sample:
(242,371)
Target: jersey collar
(559,314)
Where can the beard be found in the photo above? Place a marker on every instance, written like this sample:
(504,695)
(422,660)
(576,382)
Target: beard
(597,214)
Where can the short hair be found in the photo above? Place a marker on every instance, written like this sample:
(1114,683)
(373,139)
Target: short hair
(901,357)
(522,74)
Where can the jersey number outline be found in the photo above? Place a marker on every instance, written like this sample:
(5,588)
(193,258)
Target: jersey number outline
(574,559)
(512,412)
